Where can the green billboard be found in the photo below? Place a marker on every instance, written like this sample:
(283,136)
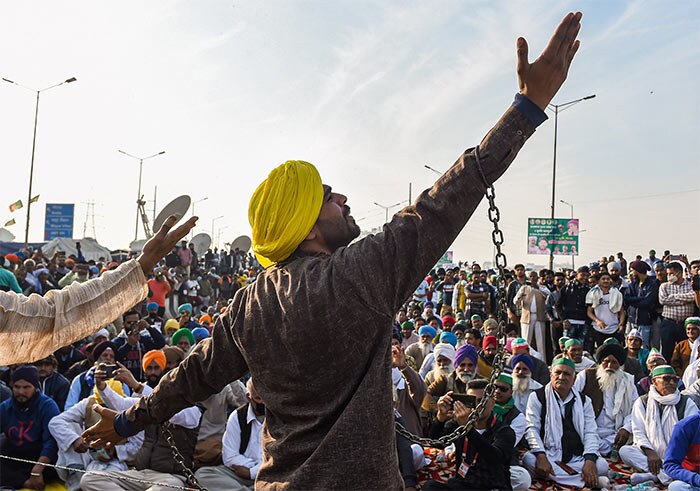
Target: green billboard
(552,235)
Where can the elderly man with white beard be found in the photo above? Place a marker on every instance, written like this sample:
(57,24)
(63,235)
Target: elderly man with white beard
(444,353)
(420,349)
(523,383)
(429,361)
(562,433)
(612,392)
(464,361)
(654,416)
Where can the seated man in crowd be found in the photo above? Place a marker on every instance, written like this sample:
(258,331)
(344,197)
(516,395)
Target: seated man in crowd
(186,312)
(154,461)
(573,350)
(422,348)
(410,390)
(67,429)
(686,351)
(487,354)
(242,447)
(464,361)
(83,385)
(444,354)
(635,349)
(682,461)
(183,339)
(483,457)
(540,370)
(135,344)
(24,426)
(654,360)
(507,413)
(429,361)
(653,418)
(473,337)
(52,383)
(408,334)
(523,383)
(562,433)
(612,393)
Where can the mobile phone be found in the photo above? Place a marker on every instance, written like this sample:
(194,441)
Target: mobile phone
(566,468)
(110,369)
(467,400)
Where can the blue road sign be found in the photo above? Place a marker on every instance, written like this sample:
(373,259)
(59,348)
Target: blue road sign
(59,220)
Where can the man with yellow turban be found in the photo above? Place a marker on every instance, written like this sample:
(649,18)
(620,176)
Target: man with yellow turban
(336,431)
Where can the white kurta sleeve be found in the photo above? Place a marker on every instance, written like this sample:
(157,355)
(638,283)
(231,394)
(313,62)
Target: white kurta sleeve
(533,415)
(33,327)
(67,426)
(639,430)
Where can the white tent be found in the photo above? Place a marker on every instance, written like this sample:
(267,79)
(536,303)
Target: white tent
(91,249)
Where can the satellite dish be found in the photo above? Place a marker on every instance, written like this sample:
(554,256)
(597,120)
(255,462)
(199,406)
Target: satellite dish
(137,245)
(201,243)
(177,207)
(242,243)
(6,235)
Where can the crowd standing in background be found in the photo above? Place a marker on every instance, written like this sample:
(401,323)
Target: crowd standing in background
(602,363)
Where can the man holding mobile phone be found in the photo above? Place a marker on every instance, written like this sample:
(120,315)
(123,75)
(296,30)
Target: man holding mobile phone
(483,456)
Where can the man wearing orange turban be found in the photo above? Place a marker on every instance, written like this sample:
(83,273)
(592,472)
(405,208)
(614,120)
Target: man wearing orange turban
(153,364)
(302,233)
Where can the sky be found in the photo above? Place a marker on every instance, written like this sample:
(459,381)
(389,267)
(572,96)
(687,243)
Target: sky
(370,92)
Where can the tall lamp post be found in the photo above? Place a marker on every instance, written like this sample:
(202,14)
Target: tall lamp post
(387,208)
(31,167)
(212,226)
(194,203)
(556,108)
(570,205)
(138,197)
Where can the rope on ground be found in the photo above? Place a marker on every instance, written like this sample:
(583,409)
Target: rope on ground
(100,473)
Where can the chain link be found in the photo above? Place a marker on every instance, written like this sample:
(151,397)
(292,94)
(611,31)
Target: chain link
(167,434)
(499,359)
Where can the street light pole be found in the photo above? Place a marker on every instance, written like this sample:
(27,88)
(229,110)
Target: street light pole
(573,264)
(386,209)
(138,197)
(194,203)
(212,225)
(555,108)
(31,167)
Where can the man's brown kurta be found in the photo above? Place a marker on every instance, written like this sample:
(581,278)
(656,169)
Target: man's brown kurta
(327,384)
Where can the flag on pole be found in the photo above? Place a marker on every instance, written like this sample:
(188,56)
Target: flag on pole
(34,199)
(16,205)
(10,222)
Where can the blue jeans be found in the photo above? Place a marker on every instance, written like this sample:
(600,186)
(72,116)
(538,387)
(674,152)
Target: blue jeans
(645,331)
(672,332)
(577,331)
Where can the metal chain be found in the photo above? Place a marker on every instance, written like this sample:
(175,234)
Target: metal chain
(499,359)
(167,434)
(104,474)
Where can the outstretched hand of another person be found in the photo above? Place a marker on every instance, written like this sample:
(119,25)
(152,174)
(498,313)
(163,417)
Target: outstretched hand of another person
(163,242)
(103,433)
(540,80)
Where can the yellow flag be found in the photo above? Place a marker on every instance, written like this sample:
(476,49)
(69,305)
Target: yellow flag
(10,222)
(34,199)
(16,205)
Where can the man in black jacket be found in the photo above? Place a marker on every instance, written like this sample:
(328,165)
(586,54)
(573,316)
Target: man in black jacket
(483,457)
(572,307)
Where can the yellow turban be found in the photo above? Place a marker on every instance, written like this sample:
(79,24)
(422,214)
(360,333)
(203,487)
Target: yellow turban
(284,209)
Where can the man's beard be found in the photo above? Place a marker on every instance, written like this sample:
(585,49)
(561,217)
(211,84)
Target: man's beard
(521,385)
(25,403)
(153,380)
(440,371)
(426,347)
(609,379)
(465,377)
(338,234)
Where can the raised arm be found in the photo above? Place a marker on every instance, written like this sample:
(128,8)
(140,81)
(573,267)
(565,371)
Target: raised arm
(419,234)
(33,327)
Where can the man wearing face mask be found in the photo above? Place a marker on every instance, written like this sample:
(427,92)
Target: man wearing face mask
(678,300)
(641,299)
(242,447)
